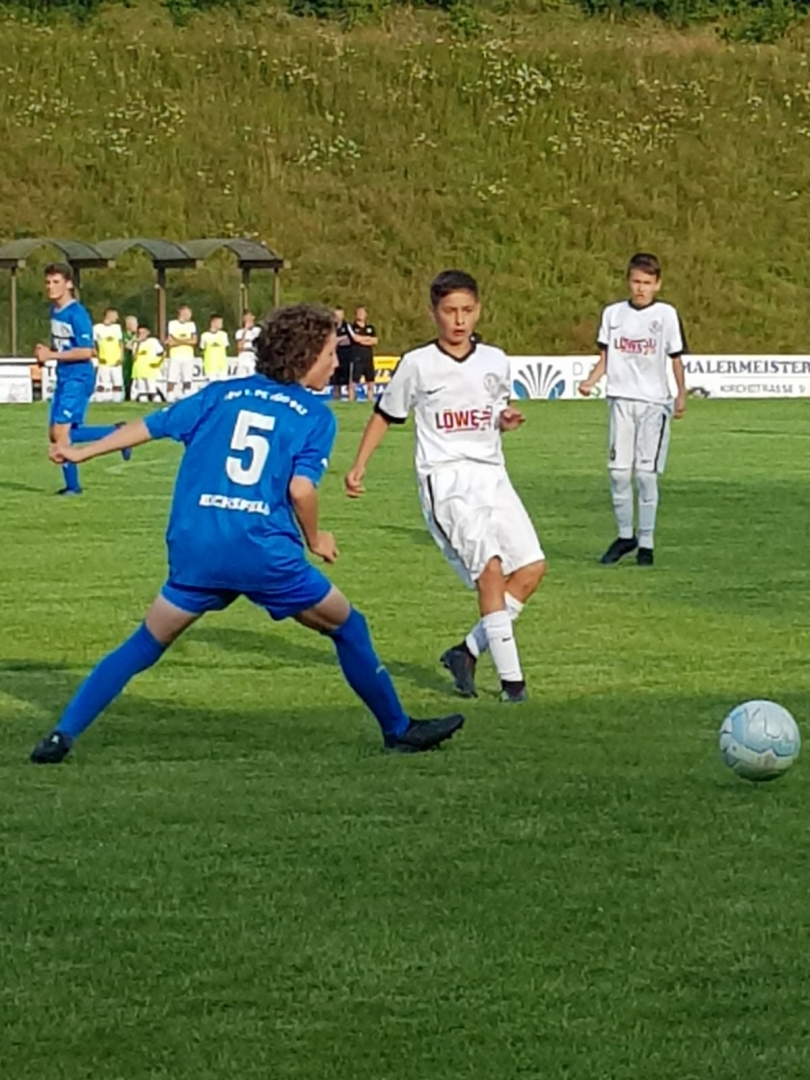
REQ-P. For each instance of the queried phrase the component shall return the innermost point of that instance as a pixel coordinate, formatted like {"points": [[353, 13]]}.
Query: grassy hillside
{"points": [[538, 153]]}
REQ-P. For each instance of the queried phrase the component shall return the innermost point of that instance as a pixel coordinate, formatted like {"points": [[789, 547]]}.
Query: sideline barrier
{"points": [[556, 378], [544, 378], [16, 381]]}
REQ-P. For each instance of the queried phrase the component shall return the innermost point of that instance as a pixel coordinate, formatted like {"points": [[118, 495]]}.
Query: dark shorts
{"points": [[342, 375], [364, 368], [288, 598]]}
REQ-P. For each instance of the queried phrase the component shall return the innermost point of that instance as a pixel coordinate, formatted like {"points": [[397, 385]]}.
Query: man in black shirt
{"points": [[343, 375], [364, 338]]}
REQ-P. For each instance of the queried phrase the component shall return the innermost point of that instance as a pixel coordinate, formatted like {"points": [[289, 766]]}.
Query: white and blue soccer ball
{"points": [[759, 740]]}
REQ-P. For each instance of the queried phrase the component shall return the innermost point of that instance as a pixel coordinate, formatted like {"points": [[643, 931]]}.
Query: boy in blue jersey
{"points": [[245, 503], [72, 348]]}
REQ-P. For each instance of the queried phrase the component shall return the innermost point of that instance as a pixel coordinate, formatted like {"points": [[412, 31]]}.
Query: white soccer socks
{"points": [[621, 492], [476, 641], [502, 646], [647, 506]]}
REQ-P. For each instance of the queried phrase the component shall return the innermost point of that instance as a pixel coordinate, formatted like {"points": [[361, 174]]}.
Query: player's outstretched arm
{"points": [[304, 499], [132, 434], [373, 435]]}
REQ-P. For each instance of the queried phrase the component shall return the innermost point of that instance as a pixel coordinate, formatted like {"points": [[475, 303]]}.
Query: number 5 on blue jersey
{"points": [[240, 470]]}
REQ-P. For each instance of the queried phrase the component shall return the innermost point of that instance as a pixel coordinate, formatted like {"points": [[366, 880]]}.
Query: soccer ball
{"points": [[759, 740]]}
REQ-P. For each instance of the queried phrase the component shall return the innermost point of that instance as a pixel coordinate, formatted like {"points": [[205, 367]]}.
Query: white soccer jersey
{"points": [[456, 404], [249, 337], [639, 342]]}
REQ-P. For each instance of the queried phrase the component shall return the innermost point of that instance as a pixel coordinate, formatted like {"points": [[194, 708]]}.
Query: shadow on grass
{"points": [[414, 533], [148, 729], [594, 752], [13, 485], [48, 687], [303, 654]]}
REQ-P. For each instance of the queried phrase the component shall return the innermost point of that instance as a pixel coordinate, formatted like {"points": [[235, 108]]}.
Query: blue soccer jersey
{"points": [[232, 524], [72, 328]]}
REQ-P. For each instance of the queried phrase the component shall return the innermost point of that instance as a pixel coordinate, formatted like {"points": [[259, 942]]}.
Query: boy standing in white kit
{"points": [[636, 339]]}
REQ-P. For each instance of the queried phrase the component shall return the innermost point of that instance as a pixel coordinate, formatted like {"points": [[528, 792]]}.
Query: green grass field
{"points": [[228, 880]]}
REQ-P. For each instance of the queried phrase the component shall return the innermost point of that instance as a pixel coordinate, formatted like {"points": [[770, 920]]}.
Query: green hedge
{"points": [[740, 20]]}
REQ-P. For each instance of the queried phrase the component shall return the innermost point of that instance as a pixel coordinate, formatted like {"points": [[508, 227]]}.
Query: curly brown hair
{"points": [[291, 340]]}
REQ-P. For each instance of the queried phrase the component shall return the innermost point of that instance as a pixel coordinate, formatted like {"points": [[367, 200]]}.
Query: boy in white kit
{"points": [[246, 337], [636, 338], [459, 391]]}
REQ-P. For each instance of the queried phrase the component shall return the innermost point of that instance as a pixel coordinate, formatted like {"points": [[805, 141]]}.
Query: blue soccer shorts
{"points": [[292, 594], [70, 400]]}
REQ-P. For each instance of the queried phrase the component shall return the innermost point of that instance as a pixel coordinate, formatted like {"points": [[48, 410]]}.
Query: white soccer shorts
{"points": [[143, 388], [245, 366], [474, 514], [638, 435], [109, 376], [180, 371]]}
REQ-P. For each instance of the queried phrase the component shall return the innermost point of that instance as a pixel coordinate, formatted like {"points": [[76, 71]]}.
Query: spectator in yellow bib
{"points": [[146, 364], [108, 340], [214, 345], [181, 341]]}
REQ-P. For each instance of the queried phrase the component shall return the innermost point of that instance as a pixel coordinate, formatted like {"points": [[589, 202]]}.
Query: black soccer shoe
{"points": [[618, 549], [513, 693], [52, 749], [460, 662], [645, 556], [424, 735]]}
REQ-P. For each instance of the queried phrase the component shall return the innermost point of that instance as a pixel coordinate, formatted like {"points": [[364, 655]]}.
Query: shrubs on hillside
{"points": [[739, 20]]}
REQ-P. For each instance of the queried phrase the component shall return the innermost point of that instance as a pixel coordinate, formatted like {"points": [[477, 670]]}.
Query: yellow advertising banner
{"points": [[384, 369]]}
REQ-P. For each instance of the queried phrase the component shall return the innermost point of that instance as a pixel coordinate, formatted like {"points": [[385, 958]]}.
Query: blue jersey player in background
{"points": [[72, 349], [245, 504]]}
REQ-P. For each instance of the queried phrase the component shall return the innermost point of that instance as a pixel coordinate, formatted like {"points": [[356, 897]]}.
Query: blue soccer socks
{"points": [[107, 679], [71, 474], [366, 674], [80, 433]]}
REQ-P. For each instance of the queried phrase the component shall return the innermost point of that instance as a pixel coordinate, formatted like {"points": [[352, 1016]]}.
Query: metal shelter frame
{"points": [[13, 255], [164, 254]]}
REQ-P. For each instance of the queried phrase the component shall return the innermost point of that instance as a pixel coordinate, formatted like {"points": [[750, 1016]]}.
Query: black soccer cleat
{"points": [[645, 556], [67, 492], [460, 662], [513, 693], [618, 549], [424, 735], [52, 749]]}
